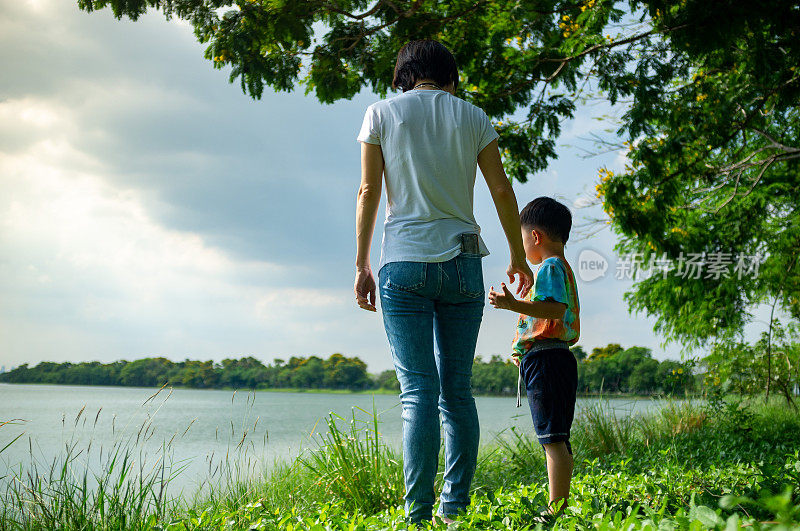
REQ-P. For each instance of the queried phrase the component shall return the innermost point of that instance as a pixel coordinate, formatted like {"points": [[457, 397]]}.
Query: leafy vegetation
{"points": [[711, 128], [609, 369], [711, 135], [771, 364], [336, 372], [683, 466], [712, 140]]}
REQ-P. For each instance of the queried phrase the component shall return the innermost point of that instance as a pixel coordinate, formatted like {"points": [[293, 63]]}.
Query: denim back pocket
{"points": [[470, 275], [406, 276]]}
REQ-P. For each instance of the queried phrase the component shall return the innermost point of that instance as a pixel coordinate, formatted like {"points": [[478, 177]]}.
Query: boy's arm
{"points": [[540, 309], [548, 309]]}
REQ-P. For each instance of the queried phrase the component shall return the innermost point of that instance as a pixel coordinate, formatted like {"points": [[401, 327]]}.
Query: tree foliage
{"points": [[510, 54], [336, 372], [711, 127], [713, 141], [496, 376], [771, 364], [613, 369]]}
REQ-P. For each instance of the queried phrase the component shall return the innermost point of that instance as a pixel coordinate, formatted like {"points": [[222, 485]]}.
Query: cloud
{"points": [[140, 97], [620, 160], [79, 251], [148, 207], [583, 202], [88, 228]]}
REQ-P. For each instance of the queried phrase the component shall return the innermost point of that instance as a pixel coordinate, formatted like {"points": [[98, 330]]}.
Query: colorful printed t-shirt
{"points": [[554, 281]]}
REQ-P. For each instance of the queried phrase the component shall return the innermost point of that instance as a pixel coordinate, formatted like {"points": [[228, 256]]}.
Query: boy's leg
{"points": [[551, 384], [559, 473]]}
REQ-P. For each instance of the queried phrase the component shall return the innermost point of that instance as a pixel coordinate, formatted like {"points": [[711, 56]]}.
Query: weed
{"points": [[355, 466], [678, 467]]}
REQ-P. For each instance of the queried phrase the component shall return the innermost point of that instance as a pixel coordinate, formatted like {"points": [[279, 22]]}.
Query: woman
{"points": [[427, 142]]}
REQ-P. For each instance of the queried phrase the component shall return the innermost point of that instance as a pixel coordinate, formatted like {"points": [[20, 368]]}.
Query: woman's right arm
{"points": [[505, 201]]}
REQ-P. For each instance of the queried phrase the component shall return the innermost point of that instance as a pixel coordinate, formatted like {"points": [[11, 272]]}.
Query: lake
{"points": [[197, 429]]}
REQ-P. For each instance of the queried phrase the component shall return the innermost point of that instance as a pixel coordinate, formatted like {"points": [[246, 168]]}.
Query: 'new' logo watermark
{"points": [[591, 265]]}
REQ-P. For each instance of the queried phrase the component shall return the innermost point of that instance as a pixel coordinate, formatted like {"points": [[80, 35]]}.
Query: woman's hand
{"points": [[501, 301], [525, 276], [365, 289]]}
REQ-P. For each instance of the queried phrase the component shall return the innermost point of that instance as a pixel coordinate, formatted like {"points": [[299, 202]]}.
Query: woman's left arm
{"points": [[369, 198]]}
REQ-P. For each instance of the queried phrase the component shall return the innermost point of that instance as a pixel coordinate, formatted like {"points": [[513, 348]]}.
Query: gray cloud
{"points": [[148, 207]]}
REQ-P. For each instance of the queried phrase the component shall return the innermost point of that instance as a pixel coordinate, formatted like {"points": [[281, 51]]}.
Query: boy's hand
{"points": [[515, 360], [502, 301]]}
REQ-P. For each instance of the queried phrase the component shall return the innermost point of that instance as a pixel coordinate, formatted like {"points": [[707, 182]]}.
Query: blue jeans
{"points": [[427, 305]]}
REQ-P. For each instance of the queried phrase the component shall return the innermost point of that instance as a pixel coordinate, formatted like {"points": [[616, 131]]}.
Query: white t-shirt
{"points": [[430, 141]]}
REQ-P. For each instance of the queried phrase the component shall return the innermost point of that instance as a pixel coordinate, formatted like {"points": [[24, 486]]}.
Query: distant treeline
{"points": [[608, 369], [336, 372]]}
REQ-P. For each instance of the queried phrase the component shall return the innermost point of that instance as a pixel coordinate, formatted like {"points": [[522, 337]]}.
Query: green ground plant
{"points": [[683, 466]]}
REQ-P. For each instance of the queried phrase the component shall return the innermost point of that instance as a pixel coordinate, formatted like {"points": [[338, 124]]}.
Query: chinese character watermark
{"points": [[633, 266]]}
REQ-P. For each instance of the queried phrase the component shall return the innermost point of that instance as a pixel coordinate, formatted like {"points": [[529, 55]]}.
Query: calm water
{"points": [[201, 427]]}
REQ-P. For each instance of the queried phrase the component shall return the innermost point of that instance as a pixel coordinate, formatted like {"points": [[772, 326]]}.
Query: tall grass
{"points": [[513, 456], [126, 490], [348, 464], [601, 430], [351, 465], [355, 466]]}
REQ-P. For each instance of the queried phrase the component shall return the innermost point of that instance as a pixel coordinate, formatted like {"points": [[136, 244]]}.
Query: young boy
{"points": [[548, 324]]}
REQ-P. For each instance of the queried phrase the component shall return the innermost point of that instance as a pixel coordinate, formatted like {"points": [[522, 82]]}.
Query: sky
{"points": [[150, 208]]}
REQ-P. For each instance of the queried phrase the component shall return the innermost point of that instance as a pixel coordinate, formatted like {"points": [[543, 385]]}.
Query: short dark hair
{"points": [[548, 215], [424, 59]]}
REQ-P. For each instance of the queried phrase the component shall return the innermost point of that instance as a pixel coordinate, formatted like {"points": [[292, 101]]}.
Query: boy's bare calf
{"points": [[559, 474]]}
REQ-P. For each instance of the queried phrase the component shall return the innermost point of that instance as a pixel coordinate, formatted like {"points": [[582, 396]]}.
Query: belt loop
{"points": [[519, 385]]}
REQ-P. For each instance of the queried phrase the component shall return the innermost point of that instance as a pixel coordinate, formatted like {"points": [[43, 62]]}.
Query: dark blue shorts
{"points": [[551, 382]]}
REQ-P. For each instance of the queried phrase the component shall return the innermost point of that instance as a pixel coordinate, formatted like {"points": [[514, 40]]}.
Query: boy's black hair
{"points": [[548, 215], [424, 59]]}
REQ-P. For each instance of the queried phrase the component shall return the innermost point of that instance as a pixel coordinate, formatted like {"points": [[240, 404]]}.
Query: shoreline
{"points": [[632, 396], [636, 472]]}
